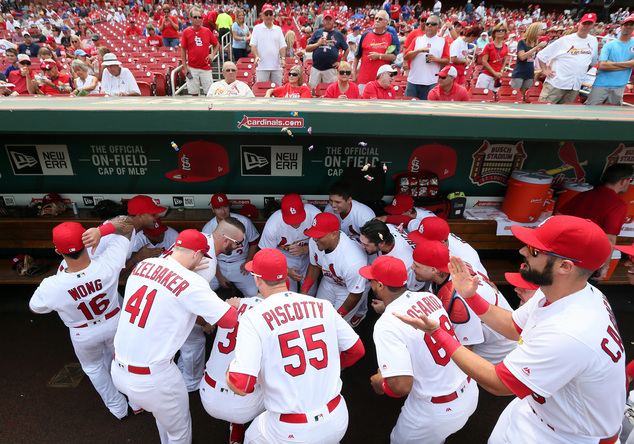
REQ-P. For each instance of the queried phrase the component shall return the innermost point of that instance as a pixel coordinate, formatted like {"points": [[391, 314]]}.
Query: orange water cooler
{"points": [[525, 195], [628, 198], [569, 190]]}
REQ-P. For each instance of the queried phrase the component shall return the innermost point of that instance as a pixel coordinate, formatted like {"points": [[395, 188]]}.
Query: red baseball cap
{"points": [[143, 204], [267, 7], [627, 249], [401, 203], [329, 13], [589, 18], [389, 270], [268, 264], [158, 229], [323, 224], [516, 280], [249, 210], [219, 200], [574, 238], [50, 39], [629, 18], [430, 229], [67, 237], [432, 254], [200, 161], [52, 197], [47, 64], [193, 240], [293, 209]]}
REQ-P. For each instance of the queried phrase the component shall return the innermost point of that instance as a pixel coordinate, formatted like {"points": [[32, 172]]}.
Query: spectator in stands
{"points": [[195, 56], [224, 22], [343, 88], [295, 88], [24, 77], [459, 52], [292, 46], [230, 86], [17, 36], [483, 40], [57, 35], [54, 47], [47, 29], [153, 40], [429, 53], [566, 61], [116, 80], [133, 30], [36, 34], [84, 83], [96, 40], [29, 47], [495, 59], [5, 88], [52, 82], [12, 61], [169, 25], [381, 88], [65, 41], [524, 71], [97, 62], [75, 44], [241, 36], [448, 89], [82, 28], [615, 68], [325, 45], [269, 48], [377, 48]]}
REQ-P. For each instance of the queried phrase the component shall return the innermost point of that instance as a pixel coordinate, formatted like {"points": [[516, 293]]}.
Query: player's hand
{"points": [[377, 381], [378, 305], [298, 250], [208, 328], [242, 269], [234, 301], [381, 218], [423, 323], [202, 265], [602, 272], [147, 251], [463, 282], [224, 283], [91, 238], [294, 274]]}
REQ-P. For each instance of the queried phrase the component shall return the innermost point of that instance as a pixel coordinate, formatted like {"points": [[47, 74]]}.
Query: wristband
{"points": [[133, 261], [106, 229], [342, 311], [478, 304], [630, 369], [307, 285], [446, 341], [388, 391]]}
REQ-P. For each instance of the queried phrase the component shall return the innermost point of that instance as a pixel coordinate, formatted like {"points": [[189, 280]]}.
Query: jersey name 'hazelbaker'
{"points": [[425, 305], [296, 311], [162, 276]]}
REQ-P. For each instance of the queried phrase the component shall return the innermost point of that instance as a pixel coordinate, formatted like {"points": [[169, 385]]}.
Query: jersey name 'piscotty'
{"points": [[295, 311]]}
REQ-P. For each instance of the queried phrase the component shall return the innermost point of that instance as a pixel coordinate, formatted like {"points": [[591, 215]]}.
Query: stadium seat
{"points": [[145, 88], [320, 89], [260, 88], [481, 95]]}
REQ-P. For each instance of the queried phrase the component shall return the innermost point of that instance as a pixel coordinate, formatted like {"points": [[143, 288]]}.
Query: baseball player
{"points": [[85, 297], [162, 299], [525, 290], [217, 399], [295, 347], [231, 267], [568, 371], [402, 211], [339, 258], [161, 237], [350, 213], [285, 230], [191, 362], [442, 397]]}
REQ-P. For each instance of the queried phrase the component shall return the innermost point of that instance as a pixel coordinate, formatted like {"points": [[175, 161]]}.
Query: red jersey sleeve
{"points": [[520, 390], [244, 383]]}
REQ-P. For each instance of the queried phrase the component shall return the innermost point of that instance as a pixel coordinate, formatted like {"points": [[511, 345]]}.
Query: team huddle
{"points": [[444, 329]]}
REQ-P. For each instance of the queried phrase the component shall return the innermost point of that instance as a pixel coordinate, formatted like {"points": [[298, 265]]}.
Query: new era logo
{"points": [[22, 160], [252, 160]]}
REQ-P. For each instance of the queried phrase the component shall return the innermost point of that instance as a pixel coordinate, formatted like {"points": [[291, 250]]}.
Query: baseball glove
{"points": [[52, 209]]}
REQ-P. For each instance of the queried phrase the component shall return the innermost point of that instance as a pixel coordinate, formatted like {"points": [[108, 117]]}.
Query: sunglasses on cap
{"points": [[533, 251], [345, 73], [238, 243]]}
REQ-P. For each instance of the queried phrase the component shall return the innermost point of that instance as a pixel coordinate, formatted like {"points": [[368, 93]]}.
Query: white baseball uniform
{"points": [[466, 323], [278, 234], [291, 342], [87, 303], [217, 399], [421, 213], [340, 270], [351, 224], [162, 299], [442, 398], [168, 240], [230, 265], [404, 250], [460, 248], [191, 361], [568, 369]]}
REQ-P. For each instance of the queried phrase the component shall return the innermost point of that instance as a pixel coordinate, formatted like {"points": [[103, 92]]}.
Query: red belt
{"points": [[447, 398], [300, 418], [210, 381], [108, 316], [136, 370]]}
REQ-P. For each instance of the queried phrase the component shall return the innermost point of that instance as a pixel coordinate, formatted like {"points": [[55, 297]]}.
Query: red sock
{"points": [[236, 433]]}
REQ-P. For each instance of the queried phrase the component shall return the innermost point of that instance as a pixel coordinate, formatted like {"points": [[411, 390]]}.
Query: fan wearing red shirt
{"points": [[23, 78], [55, 83], [381, 88], [395, 10], [448, 89], [168, 27], [210, 20], [133, 30], [494, 58], [152, 39], [343, 88], [295, 87]]}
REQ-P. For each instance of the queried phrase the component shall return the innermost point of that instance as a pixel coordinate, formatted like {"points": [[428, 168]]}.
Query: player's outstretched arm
{"points": [[311, 276], [466, 285]]}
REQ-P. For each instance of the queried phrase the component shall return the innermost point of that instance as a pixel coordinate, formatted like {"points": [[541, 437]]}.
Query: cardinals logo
{"points": [[283, 243], [568, 155], [333, 275]]}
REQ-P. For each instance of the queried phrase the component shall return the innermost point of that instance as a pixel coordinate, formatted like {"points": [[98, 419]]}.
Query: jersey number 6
{"points": [[296, 350]]}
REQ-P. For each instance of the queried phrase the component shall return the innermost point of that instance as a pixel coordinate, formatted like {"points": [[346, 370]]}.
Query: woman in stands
{"points": [[295, 87], [84, 81], [343, 88], [459, 52], [75, 44], [494, 58], [527, 48], [241, 36], [153, 40]]}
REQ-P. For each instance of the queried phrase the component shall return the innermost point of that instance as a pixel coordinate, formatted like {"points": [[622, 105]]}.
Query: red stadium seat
{"points": [[508, 93], [260, 88], [320, 89], [145, 88], [481, 95]]}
